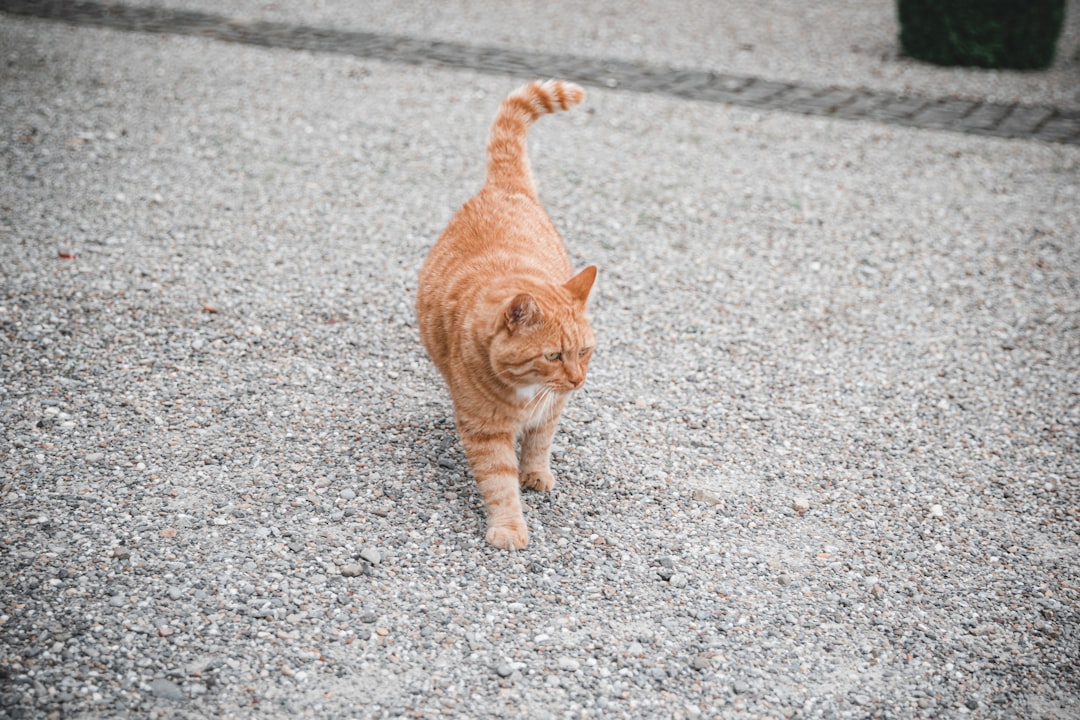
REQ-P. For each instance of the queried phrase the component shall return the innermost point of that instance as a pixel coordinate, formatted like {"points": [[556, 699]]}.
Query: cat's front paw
{"points": [[508, 537], [537, 480]]}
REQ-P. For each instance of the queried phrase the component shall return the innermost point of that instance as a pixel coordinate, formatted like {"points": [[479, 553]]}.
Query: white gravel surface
{"points": [[826, 464], [842, 43]]}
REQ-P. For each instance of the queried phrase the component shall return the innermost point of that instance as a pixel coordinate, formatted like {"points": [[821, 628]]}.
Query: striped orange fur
{"points": [[503, 317]]}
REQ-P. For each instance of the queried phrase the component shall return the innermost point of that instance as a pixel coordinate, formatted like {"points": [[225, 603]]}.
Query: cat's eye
{"points": [[553, 356], [584, 352]]}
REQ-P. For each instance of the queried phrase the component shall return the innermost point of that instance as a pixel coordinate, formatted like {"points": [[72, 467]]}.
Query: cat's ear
{"points": [[521, 312], [581, 284]]}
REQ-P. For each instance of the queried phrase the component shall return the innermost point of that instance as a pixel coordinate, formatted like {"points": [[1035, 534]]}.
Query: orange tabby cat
{"points": [[502, 315]]}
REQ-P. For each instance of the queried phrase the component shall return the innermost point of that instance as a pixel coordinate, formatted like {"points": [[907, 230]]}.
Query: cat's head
{"points": [[544, 338]]}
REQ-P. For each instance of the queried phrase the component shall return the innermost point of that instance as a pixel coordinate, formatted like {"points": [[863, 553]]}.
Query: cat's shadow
{"points": [[444, 483]]}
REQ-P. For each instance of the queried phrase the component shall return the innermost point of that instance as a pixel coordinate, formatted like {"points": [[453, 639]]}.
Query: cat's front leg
{"points": [[491, 456], [534, 468]]}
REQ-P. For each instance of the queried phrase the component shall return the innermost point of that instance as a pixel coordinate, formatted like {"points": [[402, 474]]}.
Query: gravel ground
{"points": [[826, 464], [846, 43]]}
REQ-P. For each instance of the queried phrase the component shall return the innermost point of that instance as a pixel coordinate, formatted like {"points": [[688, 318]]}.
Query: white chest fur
{"points": [[538, 404], [529, 391]]}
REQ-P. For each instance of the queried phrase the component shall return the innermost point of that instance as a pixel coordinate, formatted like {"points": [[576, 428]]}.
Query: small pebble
{"points": [[704, 496], [166, 689], [352, 570]]}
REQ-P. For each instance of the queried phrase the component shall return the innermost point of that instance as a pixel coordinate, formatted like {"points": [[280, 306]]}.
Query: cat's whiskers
{"points": [[539, 408], [539, 394]]}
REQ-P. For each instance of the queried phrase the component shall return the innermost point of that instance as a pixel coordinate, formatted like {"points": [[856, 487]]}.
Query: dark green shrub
{"points": [[1013, 34]]}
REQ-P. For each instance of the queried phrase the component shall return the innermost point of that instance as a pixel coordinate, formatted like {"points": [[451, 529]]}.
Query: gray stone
{"points": [[701, 661], [569, 664], [704, 496], [352, 570], [166, 689]]}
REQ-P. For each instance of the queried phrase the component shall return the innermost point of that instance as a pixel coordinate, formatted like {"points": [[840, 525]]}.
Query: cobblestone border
{"points": [[1028, 122]]}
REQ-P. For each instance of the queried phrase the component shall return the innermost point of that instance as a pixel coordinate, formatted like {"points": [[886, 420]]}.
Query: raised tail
{"points": [[508, 159]]}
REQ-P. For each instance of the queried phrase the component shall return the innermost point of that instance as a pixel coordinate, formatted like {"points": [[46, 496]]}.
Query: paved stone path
{"points": [[978, 118]]}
